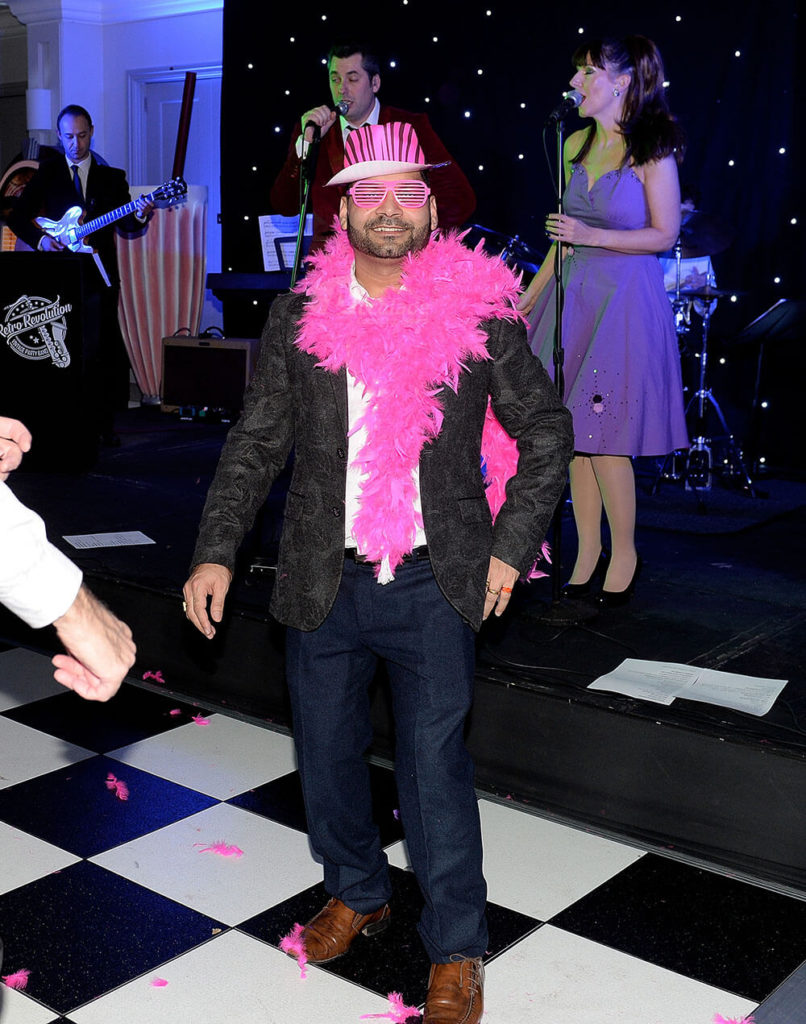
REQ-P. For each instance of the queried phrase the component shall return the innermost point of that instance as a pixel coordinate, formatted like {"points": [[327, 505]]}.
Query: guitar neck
{"points": [[110, 218]]}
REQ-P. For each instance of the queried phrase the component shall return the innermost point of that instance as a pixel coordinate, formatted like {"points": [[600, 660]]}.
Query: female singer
{"points": [[622, 371]]}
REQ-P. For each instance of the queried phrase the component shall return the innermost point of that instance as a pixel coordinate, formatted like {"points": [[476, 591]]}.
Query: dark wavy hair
{"points": [[346, 48], [650, 131]]}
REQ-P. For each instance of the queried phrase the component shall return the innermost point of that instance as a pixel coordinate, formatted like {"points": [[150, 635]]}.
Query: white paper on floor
{"points": [[128, 538], [663, 681]]}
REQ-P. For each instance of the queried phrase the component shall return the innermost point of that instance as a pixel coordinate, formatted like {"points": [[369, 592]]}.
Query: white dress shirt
{"points": [[37, 582], [83, 173], [357, 404]]}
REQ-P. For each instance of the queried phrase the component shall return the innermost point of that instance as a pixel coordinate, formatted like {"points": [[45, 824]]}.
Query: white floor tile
{"points": [[553, 977], [540, 867], [26, 753], [26, 858], [535, 866], [17, 1008], [277, 863], [25, 676], [237, 980], [222, 759]]}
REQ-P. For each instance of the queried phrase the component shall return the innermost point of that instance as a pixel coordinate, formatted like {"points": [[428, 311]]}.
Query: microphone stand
{"points": [[307, 173], [561, 613]]}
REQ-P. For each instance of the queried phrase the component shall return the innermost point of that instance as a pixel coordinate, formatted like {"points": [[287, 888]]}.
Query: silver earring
{"points": [[617, 92]]}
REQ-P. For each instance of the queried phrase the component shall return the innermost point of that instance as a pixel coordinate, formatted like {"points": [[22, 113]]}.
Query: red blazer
{"points": [[456, 200]]}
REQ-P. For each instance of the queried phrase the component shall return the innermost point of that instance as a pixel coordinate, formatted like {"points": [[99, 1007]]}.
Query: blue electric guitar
{"points": [[70, 232]]}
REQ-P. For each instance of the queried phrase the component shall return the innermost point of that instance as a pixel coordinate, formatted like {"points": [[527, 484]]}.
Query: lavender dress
{"points": [[622, 368]]}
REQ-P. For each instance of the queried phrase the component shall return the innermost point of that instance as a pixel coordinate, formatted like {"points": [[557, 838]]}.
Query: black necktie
{"points": [[77, 181]]}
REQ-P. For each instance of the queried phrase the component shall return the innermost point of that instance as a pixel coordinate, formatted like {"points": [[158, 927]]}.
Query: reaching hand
{"points": [[100, 649], [15, 440]]}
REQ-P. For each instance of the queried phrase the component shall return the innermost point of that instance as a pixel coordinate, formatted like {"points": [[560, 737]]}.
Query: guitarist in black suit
{"points": [[78, 179]]}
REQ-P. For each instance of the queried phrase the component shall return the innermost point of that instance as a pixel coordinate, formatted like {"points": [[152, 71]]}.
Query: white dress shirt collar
{"points": [[372, 118]]}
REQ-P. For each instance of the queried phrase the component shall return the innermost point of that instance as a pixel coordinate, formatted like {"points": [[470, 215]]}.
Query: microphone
{"points": [[340, 108], [570, 101]]}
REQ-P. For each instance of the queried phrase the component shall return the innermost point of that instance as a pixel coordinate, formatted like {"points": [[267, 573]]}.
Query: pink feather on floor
{"points": [[156, 676], [159, 983], [117, 786], [201, 720], [18, 980], [295, 946], [222, 849], [398, 1012], [719, 1019]]}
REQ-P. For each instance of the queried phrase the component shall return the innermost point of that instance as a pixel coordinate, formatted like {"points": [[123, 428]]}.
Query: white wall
{"points": [[84, 50], [181, 41], [13, 53]]}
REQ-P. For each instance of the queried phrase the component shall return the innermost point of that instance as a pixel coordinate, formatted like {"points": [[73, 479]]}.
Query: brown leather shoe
{"points": [[336, 926], [455, 993]]}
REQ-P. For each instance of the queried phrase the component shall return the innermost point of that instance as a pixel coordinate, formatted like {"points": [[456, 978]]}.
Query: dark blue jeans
{"points": [[429, 653]]}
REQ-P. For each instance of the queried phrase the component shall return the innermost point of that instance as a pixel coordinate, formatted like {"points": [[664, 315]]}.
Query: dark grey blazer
{"points": [[292, 402]]}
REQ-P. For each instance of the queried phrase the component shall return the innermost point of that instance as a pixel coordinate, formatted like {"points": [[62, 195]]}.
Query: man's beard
{"points": [[413, 240]]}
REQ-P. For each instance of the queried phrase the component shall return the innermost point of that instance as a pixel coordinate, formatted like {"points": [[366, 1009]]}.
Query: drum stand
{"points": [[680, 306], [698, 465]]}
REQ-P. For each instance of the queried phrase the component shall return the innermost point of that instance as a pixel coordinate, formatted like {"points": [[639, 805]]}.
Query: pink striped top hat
{"points": [[381, 149]]}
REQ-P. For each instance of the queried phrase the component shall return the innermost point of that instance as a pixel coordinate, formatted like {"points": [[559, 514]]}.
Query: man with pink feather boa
{"points": [[395, 370]]}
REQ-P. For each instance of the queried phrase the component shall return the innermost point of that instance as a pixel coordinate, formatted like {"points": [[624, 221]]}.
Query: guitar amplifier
{"points": [[207, 373]]}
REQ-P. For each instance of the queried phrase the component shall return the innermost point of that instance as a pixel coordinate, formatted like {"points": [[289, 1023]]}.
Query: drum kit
{"points": [[516, 254], [701, 236]]}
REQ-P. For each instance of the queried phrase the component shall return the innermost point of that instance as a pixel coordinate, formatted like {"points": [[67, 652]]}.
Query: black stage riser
{"points": [[693, 793]]}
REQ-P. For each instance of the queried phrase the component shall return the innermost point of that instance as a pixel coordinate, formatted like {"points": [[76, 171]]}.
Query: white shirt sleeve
{"points": [[37, 582]]}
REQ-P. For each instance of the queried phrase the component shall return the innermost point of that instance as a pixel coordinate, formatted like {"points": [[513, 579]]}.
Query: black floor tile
{"points": [[281, 800], [84, 931], [717, 930], [133, 714], [394, 961], [73, 808]]}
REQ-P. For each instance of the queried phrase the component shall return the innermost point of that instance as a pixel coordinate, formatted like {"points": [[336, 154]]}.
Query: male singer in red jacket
{"points": [[354, 78]]}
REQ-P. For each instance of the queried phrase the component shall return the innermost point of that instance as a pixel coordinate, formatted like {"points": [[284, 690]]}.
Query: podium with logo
{"points": [[49, 338]]}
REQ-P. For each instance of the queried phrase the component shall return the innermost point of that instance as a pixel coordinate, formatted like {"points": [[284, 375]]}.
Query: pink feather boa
{"points": [[405, 347]]}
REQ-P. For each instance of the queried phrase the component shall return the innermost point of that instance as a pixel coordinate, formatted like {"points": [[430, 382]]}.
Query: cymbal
{"points": [[489, 234], [707, 292], [702, 235], [509, 246]]}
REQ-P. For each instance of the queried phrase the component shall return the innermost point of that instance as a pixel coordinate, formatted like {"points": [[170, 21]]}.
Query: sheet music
{"points": [[278, 239]]}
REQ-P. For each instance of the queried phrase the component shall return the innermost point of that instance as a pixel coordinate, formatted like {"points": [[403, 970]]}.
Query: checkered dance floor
{"points": [[168, 906]]}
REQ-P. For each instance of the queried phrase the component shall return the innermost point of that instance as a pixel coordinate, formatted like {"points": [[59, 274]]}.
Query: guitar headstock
{"points": [[171, 190]]}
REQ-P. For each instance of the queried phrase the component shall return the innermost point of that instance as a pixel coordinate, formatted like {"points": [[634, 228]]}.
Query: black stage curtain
{"points": [[506, 66]]}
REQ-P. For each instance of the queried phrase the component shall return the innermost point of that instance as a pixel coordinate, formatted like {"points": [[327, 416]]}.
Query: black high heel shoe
{"points": [[573, 591], [618, 598]]}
